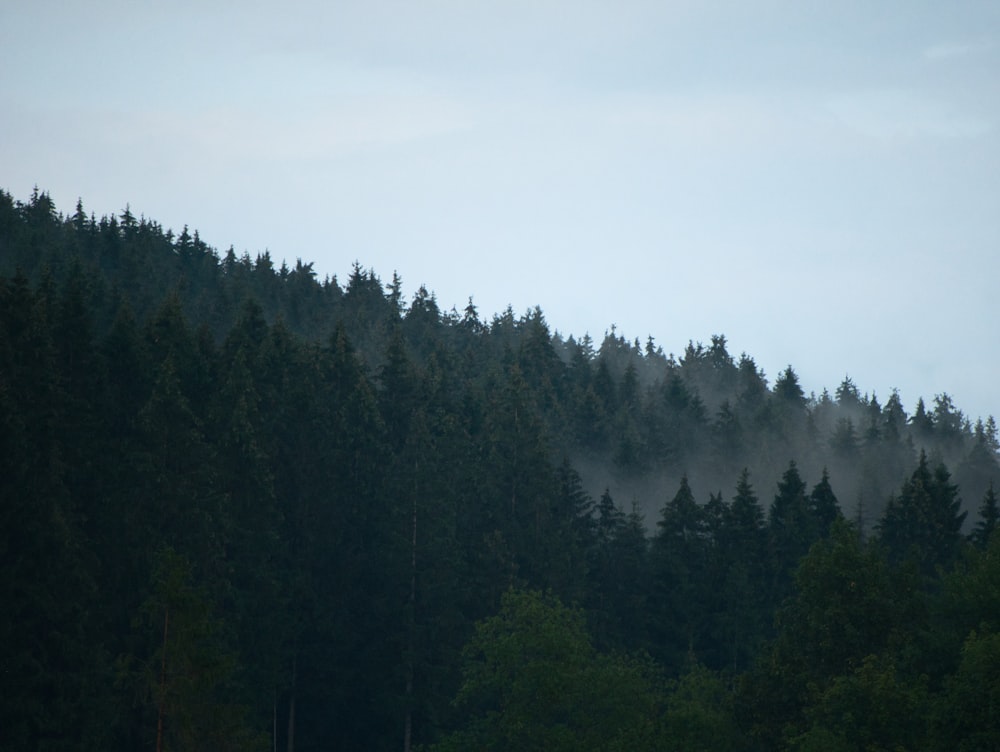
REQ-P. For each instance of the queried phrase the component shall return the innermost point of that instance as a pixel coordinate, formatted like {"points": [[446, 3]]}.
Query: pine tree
{"points": [[251, 524], [55, 676], [727, 440], [844, 442], [679, 567], [922, 423], [791, 530], [518, 484], [602, 571], [848, 396], [788, 390], [924, 522], [989, 515], [745, 619], [573, 514], [823, 506]]}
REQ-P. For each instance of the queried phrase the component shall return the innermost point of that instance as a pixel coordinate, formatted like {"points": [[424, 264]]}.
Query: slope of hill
{"points": [[237, 499]]}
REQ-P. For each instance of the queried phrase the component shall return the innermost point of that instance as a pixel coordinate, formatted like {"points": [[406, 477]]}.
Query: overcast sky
{"points": [[818, 181]]}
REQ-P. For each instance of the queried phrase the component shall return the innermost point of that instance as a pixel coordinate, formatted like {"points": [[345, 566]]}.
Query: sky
{"points": [[819, 182]]}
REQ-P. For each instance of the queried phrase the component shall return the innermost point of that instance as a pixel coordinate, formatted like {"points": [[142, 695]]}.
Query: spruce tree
{"points": [[823, 506], [989, 514], [924, 522], [746, 616], [679, 558], [791, 530]]}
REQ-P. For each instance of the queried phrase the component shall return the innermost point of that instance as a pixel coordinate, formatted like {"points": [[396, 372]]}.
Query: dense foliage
{"points": [[242, 508]]}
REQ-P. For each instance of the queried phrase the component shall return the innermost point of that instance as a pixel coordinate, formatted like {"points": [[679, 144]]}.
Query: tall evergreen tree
{"points": [[823, 506], [788, 390], [518, 484], [679, 563], [55, 676], [602, 570], [924, 522], [989, 515], [745, 619], [791, 530]]}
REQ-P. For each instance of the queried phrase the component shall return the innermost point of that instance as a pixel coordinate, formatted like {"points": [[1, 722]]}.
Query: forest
{"points": [[244, 508]]}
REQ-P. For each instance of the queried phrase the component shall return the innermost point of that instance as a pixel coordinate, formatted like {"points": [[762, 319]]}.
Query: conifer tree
{"points": [[604, 581], [924, 522], [184, 680], [989, 515], [55, 677], [922, 422], [788, 390], [791, 530], [744, 621], [823, 506], [679, 558]]}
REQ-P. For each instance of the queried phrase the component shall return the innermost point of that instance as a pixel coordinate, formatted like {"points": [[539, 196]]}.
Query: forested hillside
{"points": [[244, 508]]}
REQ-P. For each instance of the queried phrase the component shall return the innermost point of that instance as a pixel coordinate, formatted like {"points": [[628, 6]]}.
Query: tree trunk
{"points": [[291, 711], [408, 721], [163, 684]]}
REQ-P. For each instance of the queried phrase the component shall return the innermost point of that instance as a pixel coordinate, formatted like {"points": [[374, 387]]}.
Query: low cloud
{"points": [[951, 50]]}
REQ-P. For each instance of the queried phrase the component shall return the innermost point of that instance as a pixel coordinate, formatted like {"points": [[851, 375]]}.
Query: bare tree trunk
{"points": [[163, 683], [408, 722], [291, 711]]}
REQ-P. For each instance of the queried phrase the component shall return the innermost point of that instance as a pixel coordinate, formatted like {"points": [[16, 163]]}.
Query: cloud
{"points": [[951, 50]]}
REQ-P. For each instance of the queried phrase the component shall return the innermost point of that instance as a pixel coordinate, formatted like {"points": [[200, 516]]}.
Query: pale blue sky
{"points": [[818, 181]]}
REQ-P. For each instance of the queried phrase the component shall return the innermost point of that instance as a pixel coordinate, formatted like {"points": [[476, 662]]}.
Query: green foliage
{"points": [[680, 554], [184, 681], [824, 509], [745, 616], [870, 708], [533, 681], [700, 714], [847, 604], [971, 593], [791, 529], [848, 613], [966, 718], [989, 515], [924, 523]]}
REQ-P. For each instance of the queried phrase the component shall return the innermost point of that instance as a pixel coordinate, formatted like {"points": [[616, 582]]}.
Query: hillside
{"points": [[242, 502], [632, 418]]}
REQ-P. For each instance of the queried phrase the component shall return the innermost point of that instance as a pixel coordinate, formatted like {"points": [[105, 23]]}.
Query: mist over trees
{"points": [[246, 508]]}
